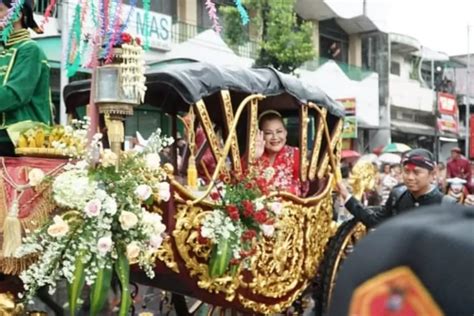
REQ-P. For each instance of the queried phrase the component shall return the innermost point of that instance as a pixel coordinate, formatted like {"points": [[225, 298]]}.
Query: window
{"points": [[395, 68], [333, 41]]}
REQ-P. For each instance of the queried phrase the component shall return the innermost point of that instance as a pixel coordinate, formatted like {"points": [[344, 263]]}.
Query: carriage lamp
{"points": [[119, 87]]}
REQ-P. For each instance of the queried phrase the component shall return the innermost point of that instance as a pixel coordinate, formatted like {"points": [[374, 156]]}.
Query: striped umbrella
{"points": [[396, 148]]}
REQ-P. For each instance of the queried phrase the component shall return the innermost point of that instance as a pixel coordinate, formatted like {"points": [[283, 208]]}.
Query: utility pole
{"points": [[468, 91], [64, 80], [364, 7]]}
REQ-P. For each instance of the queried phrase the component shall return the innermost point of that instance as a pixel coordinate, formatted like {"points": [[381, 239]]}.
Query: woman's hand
{"points": [[260, 145]]}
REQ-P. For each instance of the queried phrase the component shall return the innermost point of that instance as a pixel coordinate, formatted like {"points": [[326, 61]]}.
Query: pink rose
{"points": [[104, 244], [92, 208]]}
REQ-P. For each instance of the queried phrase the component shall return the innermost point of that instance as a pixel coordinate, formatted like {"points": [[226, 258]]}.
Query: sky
{"points": [[438, 24]]}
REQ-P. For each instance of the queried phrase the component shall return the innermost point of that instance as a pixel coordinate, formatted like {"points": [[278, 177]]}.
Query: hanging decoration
{"points": [[244, 16], [47, 13], [97, 31], [7, 22], [212, 11], [146, 7]]}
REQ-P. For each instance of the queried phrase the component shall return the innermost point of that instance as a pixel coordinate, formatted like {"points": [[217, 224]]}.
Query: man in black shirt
{"points": [[418, 190]]}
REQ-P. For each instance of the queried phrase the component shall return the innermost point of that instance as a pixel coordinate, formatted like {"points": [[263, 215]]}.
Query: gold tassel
{"points": [[192, 173], [11, 231]]}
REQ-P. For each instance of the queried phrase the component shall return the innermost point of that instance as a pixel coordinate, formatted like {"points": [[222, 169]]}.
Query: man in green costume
{"points": [[24, 76]]}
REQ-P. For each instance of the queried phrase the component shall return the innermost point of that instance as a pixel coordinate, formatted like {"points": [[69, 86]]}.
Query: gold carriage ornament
{"points": [[225, 102], [119, 87]]}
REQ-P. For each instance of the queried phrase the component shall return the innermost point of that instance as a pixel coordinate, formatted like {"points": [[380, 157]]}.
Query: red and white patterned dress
{"points": [[283, 173]]}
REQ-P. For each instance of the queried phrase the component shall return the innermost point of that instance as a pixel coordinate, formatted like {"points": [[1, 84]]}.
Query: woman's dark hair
{"points": [[270, 116], [27, 20]]}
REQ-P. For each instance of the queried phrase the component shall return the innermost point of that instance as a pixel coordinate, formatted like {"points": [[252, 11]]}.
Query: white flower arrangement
{"points": [[104, 223]]}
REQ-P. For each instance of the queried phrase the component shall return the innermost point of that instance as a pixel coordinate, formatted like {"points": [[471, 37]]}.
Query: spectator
{"points": [[458, 166]]}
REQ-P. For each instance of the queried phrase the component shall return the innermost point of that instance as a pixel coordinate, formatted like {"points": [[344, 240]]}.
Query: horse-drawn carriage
{"points": [[225, 103]]}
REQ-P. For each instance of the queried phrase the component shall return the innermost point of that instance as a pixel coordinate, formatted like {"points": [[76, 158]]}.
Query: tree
{"points": [[285, 43]]}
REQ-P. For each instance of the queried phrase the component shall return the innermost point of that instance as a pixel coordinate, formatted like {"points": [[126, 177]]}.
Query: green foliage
{"points": [[286, 45], [284, 42], [233, 31]]}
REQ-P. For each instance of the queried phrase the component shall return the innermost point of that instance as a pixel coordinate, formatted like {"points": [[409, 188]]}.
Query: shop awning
{"points": [[412, 128]]}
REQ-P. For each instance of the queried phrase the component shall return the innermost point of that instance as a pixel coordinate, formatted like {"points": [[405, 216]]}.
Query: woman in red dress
{"points": [[277, 162]]}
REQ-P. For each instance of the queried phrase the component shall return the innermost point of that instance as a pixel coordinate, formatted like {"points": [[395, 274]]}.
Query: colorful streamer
{"points": [[133, 4], [146, 7], [244, 16], [12, 15], [115, 31], [47, 13], [212, 11], [74, 43]]}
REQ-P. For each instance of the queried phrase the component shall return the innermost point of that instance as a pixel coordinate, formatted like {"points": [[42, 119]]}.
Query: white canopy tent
{"points": [[208, 46]]}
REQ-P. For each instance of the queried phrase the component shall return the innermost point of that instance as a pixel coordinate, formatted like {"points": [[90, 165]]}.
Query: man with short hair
{"points": [[418, 190], [458, 166]]}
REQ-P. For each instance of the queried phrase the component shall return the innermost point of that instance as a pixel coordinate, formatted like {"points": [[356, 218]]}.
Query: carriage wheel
{"points": [[339, 246]]}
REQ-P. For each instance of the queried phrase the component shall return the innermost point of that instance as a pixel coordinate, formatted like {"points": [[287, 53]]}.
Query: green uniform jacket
{"points": [[24, 82]]}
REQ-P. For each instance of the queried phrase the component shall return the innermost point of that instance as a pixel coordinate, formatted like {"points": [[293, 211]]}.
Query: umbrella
{"points": [[348, 154], [396, 148], [373, 158], [390, 158]]}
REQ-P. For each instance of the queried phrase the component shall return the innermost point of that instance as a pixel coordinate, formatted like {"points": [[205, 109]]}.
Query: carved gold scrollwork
{"points": [[335, 139], [196, 255], [317, 144], [304, 121], [252, 131], [206, 122], [166, 255], [229, 119]]}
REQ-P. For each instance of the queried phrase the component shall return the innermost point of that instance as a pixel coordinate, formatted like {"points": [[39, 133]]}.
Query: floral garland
{"points": [[47, 12], [244, 215], [212, 11], [105, 224], [244, 16]]}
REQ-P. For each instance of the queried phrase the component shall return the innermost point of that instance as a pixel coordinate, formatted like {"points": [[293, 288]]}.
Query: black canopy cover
{"points": [[175, 86]]}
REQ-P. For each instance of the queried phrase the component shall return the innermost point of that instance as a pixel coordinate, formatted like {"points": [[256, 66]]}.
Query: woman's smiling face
{"points": [[274, 135]]}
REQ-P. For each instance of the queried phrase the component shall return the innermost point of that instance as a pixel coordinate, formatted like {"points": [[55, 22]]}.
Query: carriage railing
{"points": [[309, 170]]}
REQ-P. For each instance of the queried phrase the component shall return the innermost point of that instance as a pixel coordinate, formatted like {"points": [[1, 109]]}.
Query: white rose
{"points": [[92, 208], [259, 204], [276, 207], [104, 245], [109, 158], [59, 229], [156, 241], [127, 220], [133, 251], [143, 192], [35, 176], [154, 221], [152, 161], [268, 230], [164, 191]]}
